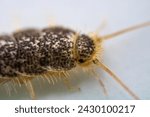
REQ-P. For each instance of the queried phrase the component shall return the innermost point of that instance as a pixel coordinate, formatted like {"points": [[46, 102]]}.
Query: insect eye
{"points": [[81, 61]]}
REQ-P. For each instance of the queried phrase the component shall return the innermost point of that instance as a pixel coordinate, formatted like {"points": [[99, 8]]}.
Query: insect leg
{"points": [[103, 86], [4, 80], [29, 87], [116, 78], [100, 82], [69, 85]]}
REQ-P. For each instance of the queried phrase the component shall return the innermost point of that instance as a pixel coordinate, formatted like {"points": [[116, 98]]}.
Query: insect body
{"points": [[30, 53], [33, 52]]}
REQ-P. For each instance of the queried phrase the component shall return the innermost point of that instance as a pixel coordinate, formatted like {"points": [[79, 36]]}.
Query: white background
{"points": [[127, 55], [141, 108]]}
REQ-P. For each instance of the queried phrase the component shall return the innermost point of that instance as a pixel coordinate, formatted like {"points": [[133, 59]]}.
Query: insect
{"points": [[51, 53]]}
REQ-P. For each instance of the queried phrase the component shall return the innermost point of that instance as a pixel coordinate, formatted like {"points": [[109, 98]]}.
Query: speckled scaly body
{"points": [[34, 51], [51, 53]]}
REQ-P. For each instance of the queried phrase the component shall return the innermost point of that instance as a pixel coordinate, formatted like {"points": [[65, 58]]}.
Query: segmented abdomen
{"points": [[33, 52]]}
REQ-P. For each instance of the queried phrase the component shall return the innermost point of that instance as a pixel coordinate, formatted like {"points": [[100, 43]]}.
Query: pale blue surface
{"points": [[128, 55]]}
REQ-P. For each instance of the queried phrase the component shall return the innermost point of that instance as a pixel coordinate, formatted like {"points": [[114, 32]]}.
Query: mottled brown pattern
{"points": [[58, 46], [34, 51], [8, 52], [27, 59], [85, 48]]}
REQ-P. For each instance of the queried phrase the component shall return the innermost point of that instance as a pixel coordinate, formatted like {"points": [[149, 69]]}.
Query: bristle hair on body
{"points": [[53, 54]]}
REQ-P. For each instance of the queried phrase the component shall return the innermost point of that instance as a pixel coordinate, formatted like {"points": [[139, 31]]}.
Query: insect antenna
{"points": [[108, 36], [116, 78]]}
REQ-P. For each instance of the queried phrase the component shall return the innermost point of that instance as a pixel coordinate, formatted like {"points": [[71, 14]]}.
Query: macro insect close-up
{"points": [[33, 57]]}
